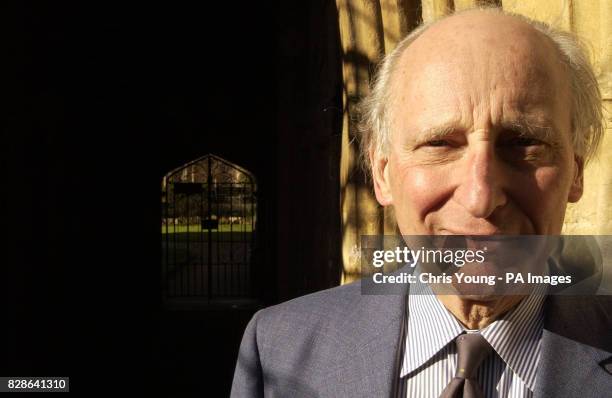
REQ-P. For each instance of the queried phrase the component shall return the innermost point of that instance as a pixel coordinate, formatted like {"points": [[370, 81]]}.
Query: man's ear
{"points": [[577, 186], [380, 177]]}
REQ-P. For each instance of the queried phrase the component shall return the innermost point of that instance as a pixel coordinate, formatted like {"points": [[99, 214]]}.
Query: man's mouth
{"points": [[475, 233]]}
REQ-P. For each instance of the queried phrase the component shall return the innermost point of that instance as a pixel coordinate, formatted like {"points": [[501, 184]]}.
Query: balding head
{"points": [[482, 28]]}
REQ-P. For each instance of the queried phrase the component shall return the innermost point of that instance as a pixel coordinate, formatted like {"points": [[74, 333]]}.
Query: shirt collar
{"points": [[430, 327], [515, 337]]}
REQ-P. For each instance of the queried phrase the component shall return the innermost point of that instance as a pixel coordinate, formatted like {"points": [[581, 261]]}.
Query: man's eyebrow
{"points": [[525, 128], [436, 132]]}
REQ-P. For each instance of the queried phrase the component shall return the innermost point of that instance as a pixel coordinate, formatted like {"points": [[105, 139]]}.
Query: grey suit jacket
{"points": [[340, 343]]}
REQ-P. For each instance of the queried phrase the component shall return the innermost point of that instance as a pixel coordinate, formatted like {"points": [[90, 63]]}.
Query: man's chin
{"points": [[483, 297], [480, 298], [479, 292], [486, 293]]}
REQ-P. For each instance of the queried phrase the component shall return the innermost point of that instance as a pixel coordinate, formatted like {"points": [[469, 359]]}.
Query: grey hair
{"points": [[587, 124]]}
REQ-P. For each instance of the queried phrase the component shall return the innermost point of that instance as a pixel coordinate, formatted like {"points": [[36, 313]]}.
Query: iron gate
{"points": [[209, 211]]}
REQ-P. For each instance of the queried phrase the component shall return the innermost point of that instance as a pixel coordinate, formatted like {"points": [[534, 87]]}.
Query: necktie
{"points": [[472, 349]]}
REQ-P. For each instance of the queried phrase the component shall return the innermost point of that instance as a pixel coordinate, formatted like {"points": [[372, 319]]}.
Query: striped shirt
{"points": [[431, 359]]}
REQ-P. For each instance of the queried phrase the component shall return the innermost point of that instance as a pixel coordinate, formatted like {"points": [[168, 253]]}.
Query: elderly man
{"points": [[478, 124]]}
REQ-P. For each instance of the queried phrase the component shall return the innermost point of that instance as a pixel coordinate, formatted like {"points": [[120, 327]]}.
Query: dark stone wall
{"points": [[99, 101]]}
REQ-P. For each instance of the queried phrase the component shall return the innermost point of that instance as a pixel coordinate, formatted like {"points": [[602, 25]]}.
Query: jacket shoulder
{"points": [[323, 313], [585, 319]]}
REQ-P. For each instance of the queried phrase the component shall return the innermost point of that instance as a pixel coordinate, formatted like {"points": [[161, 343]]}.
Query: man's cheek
{"points": [[547, 188], [418, 191], [542, 197], [549, 179]]}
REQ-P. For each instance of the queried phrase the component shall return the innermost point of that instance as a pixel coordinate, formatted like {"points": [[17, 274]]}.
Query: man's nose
{"points": [[481, 182]]}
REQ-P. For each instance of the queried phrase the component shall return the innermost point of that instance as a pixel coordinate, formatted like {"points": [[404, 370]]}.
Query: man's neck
{"points": [[478, 313]]}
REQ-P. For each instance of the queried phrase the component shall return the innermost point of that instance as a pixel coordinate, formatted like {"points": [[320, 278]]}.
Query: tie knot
{"points": [[472, 349]]}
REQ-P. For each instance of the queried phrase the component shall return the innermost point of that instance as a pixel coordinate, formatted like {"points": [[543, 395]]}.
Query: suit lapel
{"points": [[575, 341], [368, 367]]}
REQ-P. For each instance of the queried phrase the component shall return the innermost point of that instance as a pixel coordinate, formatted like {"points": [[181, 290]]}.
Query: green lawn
{"points": [[171, 229]]}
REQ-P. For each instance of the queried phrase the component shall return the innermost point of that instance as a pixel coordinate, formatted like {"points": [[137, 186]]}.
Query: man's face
{"points": [[480, 132]]}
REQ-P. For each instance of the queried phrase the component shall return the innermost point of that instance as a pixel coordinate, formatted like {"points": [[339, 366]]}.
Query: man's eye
{"points": [[524, 141], [437, 143]]}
